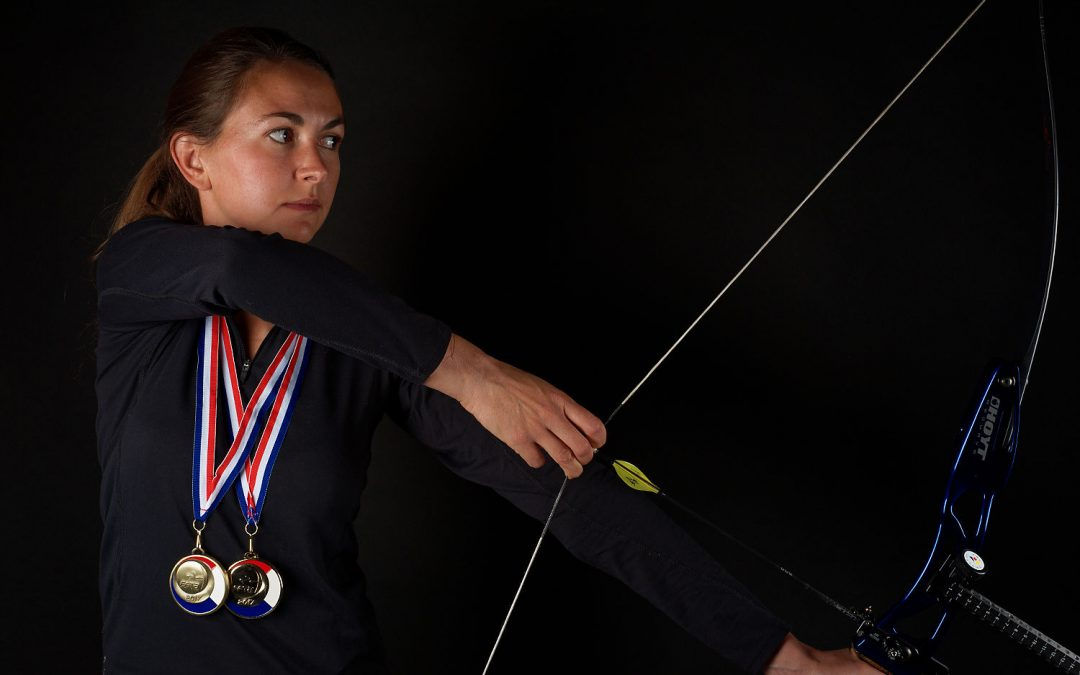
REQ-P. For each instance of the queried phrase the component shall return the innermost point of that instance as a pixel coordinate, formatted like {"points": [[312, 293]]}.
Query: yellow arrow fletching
{"points": [[632, 476]]}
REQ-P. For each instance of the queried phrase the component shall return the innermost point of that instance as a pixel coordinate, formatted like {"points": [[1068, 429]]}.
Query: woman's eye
{"points": [[330, 142]]}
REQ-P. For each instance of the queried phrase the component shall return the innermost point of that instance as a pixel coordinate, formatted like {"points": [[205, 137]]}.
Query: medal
{"points": [[256, 584], [199, 583]]}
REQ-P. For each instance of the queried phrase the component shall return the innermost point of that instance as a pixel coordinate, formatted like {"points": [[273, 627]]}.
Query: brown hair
{"points": [[206, 90], [200, 99]]}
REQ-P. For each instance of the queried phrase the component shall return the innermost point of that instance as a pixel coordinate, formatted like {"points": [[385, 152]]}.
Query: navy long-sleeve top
{"points": [[370, 352]]}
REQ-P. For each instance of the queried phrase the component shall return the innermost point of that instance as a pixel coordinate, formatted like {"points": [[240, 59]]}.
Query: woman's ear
{"points": [[187, 153]]}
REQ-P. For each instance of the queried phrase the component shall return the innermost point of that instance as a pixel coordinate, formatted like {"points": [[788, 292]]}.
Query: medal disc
{"points": [[198, 584], [255, 588]]}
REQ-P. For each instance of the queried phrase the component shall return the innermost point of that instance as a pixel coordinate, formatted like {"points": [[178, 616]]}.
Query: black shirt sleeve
{"points": [[603, 523], [158, 270]]}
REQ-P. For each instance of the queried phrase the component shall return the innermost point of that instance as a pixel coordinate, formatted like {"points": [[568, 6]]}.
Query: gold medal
{"points": [[198, 582], [251, 587]]}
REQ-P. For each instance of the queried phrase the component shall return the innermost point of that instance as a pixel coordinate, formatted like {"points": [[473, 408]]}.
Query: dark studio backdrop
{"points": [[568, 185]]}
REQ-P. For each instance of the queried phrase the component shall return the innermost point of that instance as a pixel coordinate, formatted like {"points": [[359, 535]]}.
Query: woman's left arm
{"points": [[603, 523]]}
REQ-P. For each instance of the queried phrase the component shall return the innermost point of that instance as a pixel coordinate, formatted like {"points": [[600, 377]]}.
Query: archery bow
{"points": [[983, 464], [982, 467]]}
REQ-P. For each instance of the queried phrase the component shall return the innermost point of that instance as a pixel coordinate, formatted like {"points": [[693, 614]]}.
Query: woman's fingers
{"points": [[586, 423], [565, 430], [533, 454], [530, 415], [561, 453], [577, 442]]}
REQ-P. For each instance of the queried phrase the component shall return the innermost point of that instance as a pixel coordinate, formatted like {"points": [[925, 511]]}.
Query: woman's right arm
{"points": [[156, 270]]}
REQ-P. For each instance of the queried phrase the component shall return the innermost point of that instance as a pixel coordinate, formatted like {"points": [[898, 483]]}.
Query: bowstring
{"points": [[719, 295]]}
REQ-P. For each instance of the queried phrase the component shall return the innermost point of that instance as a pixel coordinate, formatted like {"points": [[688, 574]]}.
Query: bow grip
{"points": [[983, 463]]}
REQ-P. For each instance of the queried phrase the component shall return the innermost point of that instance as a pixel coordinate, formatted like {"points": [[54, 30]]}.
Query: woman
{"points": [[215, 316]]}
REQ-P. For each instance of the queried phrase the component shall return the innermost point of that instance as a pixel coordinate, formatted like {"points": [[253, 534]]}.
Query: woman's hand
{"points": [[797, 657], [527, 413]]}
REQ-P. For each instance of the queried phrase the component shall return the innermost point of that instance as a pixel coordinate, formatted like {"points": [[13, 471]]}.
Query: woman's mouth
{"points": [[305, 205]]}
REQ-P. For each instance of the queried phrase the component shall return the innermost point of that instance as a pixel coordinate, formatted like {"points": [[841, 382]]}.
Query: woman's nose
{"points": [[311, 166]]}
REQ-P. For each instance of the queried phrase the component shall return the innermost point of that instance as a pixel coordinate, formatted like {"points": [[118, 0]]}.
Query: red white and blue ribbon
{"points": [[255, 477], [270, 404]]}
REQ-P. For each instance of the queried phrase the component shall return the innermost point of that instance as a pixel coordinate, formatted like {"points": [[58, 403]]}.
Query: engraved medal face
{"points": [[249, 585], [255, 588], [192, 581], [198, 584]]}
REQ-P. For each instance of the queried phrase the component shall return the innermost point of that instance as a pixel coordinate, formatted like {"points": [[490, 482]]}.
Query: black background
{"points": [[568, 185]]}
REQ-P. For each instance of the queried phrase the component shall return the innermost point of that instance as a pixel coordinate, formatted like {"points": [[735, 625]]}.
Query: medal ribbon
{"points": [[273, 400], [255, 477]]}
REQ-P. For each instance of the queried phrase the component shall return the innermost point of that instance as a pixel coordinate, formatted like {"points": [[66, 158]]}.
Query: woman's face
{"points": [[278, 146]]}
